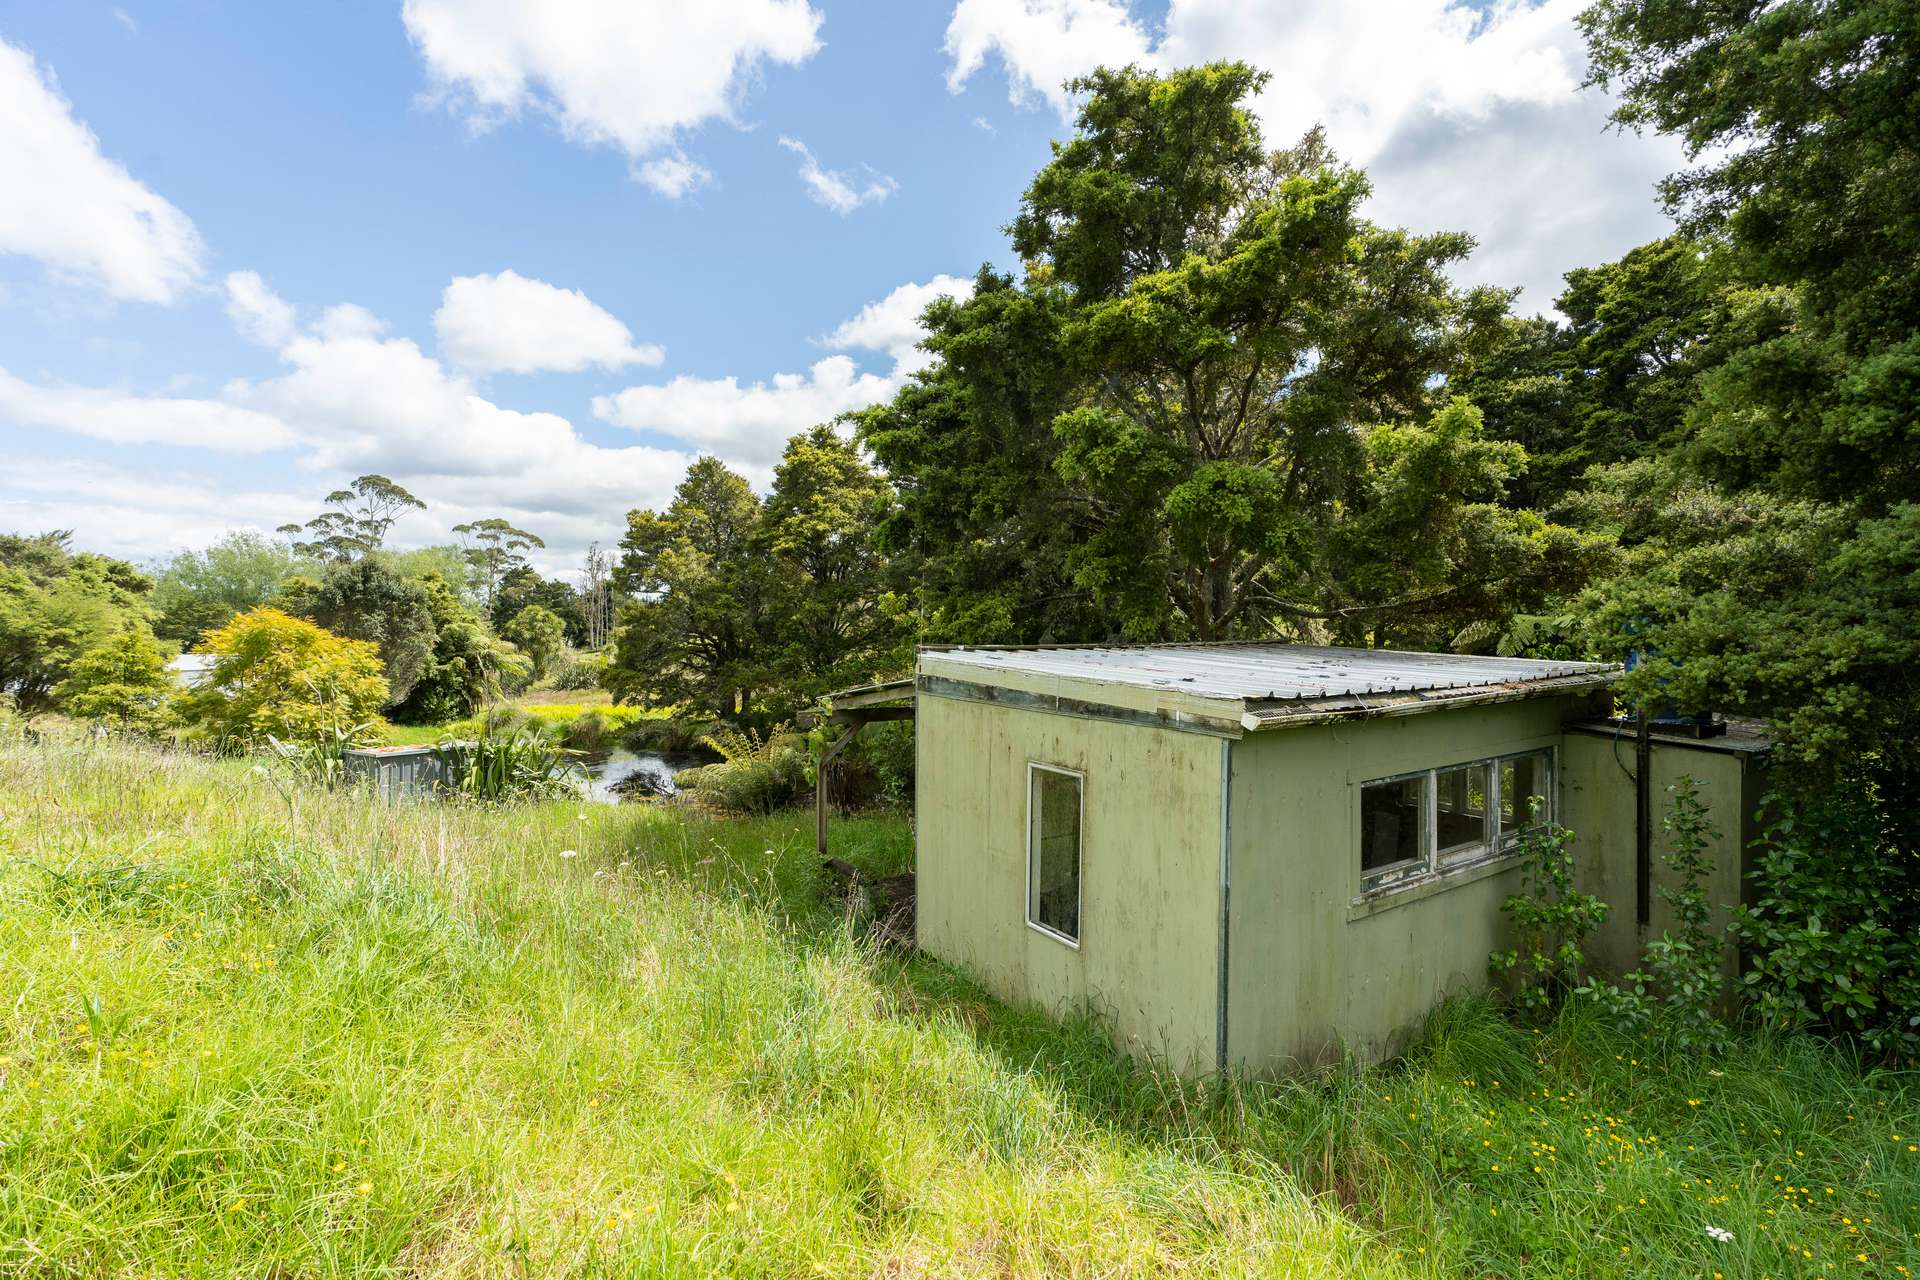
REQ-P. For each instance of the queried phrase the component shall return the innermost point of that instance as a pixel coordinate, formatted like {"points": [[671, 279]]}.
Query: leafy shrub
{"points": [[578, 671], [1552, 918], [280, 676], [369, 600], [469, 665], [319, 758], [1832, 940], [539, 633], [121, 684], [754, 774], [514, 765], [1678, 989]]}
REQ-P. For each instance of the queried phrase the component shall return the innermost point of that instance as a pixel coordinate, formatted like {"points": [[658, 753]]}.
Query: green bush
{"points": [[283, 677], [1678, 989], [754, 775], [1552, 918], [121, 684], [578, 671], [513, 765], [1832, 940]]}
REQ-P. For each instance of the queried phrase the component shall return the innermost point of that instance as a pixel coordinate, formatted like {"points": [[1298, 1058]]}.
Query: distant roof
{"points": [[1259, 684]]}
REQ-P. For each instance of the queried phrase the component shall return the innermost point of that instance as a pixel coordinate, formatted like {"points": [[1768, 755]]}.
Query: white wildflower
{"points": [[1720, 1234], [569, 853]]}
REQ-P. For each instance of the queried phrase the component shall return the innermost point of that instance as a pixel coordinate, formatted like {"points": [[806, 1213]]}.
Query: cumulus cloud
{"points": [[632, 74], [259, 313], [352, 399], [892, 324], [1042, 44], [1467, 117], [836, 189], [508, 323], [125, 417], [673, 175], [752, 422], [77, 212]]}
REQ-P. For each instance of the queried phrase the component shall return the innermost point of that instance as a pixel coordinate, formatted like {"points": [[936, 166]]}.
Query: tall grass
{"points": [[255, 1030]]}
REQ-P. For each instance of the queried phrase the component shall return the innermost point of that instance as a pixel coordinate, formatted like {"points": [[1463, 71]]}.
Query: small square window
{"points": [[1393, 818], [1524, 779], [1461, 807], [1053, 851]]}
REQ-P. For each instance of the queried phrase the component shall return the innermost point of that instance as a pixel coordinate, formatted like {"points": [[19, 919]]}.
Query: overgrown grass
{"points": [[251, 1031]]}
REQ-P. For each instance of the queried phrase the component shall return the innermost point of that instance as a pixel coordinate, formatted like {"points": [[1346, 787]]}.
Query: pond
{"points": [[604, 776]]}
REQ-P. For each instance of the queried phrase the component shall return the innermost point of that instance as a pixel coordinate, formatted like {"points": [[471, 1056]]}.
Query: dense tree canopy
{"points": [[196, 591], [56, 605]]}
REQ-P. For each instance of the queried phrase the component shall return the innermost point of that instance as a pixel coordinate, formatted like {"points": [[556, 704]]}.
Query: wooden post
{"points": [[827, 757]]}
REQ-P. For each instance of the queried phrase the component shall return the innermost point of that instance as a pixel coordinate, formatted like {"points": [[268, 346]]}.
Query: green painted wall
{"points": [[1314, 966], [1150, 909], [1598, 805]]}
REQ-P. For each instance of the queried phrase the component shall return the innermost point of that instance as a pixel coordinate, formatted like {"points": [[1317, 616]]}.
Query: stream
{"points": [[622, 764]]}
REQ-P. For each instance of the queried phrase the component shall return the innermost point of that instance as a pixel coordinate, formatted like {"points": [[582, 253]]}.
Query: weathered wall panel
{"points": [[1598, 795], [1312, 966], [1150, 905]]}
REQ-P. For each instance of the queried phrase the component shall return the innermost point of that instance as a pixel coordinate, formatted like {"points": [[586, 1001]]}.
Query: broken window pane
{"points": [[1053, 892]]}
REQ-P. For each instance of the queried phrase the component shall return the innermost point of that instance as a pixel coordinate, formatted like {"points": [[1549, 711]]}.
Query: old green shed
{"points": [[1251, 854]]}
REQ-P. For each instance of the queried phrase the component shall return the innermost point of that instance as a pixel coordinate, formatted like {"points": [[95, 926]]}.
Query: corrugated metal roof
{"points": [[1260, 672]]}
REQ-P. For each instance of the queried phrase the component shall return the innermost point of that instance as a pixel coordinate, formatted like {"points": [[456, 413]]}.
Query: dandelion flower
{"points": [[365, 1188], [339, 1166], [1720, 1234]]}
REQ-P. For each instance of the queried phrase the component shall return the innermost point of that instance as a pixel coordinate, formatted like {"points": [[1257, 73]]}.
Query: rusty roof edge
{"points": [[1263, 714]]}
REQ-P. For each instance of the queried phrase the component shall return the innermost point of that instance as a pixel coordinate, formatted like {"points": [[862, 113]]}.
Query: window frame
{"points": [[1505, 841], [1489, 841], [1376, 879], [1431, 865], [1080, 854]]}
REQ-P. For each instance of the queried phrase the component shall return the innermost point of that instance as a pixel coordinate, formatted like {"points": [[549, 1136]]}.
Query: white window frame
{"points": [[1489, 821], [1430, 865], [1080, 854], [1407, 869], [1504, 840]]}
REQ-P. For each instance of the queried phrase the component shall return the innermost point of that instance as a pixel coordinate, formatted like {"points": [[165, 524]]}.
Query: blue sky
{"points": [[680, 229]]}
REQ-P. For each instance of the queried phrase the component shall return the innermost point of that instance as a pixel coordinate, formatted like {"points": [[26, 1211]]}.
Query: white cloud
{"points": [[80, 214], [836, 189], [259, 313], [125, 19], [124, 417], [632, 74], [1042, 44], [352, 400], [1466, 117], [892, 324], [752, 422], [673, 175], [512, 324]]}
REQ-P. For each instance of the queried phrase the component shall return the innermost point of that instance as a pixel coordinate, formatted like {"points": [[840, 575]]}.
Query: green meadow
{"points": [[252, 1029]]}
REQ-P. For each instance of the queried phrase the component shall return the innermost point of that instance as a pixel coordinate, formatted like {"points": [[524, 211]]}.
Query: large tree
{"points": [[1208, 340], [1806, 120], [356, 522], [698, 632], [495, 548], [838, 623], [196, 591], [367, 600], [57, 605]]}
